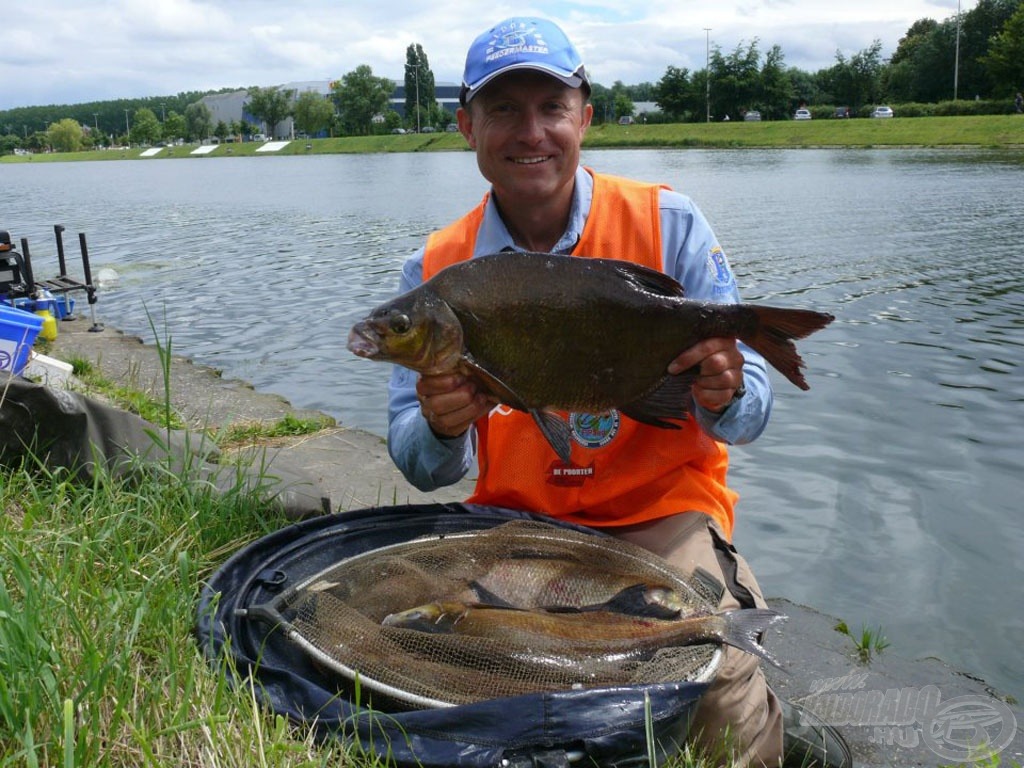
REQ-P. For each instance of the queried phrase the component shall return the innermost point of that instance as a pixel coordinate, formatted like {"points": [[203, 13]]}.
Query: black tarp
{"points": [[605, 726]]}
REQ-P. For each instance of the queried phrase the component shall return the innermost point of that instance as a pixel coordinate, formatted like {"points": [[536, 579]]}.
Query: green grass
{"points": [[986, 131], [868, 644], [97, 597]]}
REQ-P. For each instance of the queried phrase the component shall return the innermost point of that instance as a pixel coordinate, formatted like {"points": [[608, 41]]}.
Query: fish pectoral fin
{"points": [[484, 596], [668, 401], [492, 383], [555, 430], [633, 601]]}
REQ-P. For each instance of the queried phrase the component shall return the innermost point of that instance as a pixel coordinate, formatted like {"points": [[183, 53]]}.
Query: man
{"points": [[525, 113]]}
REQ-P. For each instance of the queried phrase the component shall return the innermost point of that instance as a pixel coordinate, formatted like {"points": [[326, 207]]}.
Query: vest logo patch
{"points": [[594, 430]]}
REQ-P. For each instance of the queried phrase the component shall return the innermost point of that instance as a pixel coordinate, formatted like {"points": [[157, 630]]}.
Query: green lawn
{"points": [[989, 131]]}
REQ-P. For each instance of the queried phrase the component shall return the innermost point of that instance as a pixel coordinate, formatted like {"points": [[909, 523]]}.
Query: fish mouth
{"points": [[362, 341]]}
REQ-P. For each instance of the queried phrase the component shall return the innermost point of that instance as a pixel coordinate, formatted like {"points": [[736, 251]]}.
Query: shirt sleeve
{"points": [[427, 461], [693, 255]]}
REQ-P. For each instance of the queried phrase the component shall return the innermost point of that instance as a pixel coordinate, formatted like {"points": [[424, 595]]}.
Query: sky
{"points": [[57, 52]]}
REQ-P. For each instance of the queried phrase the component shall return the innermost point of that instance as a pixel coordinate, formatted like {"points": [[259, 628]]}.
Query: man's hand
{"points": [[719, 365], [451, 403]]}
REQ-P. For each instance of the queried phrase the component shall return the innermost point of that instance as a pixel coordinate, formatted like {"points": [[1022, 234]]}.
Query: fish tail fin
{"points": [[773, 337], [744, 625]]}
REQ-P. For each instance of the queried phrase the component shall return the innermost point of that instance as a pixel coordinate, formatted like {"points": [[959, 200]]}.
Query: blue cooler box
{"points": [[18, 332]]}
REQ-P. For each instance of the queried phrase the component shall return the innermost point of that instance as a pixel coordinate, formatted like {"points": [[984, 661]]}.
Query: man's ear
{"points": [[465, 123]]}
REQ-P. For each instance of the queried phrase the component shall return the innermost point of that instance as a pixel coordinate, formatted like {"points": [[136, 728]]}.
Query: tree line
{"points": [[969, 63]]}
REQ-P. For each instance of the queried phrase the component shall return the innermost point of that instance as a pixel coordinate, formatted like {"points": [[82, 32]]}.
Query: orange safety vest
{"points": [[621, 472]]}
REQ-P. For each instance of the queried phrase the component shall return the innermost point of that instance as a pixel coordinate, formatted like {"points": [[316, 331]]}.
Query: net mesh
{"points": [[557, 575]]}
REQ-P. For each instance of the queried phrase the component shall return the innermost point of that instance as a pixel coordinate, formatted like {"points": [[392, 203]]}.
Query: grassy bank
{"points": [[988, 131], [97, 601]]}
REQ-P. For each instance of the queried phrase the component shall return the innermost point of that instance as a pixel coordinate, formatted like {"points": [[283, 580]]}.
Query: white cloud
{"points": [[55, 52]]}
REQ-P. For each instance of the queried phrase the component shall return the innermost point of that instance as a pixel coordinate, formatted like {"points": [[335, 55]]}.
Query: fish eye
{"points": [[400, 323]]}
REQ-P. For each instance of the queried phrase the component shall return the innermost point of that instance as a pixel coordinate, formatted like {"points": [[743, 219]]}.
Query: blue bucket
{"points": [[18, 332]]}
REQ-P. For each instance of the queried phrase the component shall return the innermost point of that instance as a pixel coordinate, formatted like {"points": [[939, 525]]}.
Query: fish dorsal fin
{"points": [[668, 401], [555, 430], [650, 280]]}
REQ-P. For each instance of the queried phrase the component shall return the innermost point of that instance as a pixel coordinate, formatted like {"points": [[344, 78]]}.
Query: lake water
{"points": [[887, 495]]}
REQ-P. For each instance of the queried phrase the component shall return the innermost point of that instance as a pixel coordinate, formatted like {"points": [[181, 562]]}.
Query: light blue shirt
{"points": [[691, 254]]}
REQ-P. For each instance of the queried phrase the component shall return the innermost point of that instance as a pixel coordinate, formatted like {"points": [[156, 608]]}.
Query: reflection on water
{"points": [[886, 495]]}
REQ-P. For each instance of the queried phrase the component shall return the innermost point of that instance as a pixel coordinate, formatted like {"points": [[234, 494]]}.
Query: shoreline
{"points": [[353, 468], [997, 133]]}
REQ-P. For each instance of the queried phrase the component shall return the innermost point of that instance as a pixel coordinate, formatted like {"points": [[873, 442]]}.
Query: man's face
{"points": [[526, 129]]}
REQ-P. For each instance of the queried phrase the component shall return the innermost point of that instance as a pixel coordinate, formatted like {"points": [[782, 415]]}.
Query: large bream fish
{"points": [[544, 333], [604, 635]]}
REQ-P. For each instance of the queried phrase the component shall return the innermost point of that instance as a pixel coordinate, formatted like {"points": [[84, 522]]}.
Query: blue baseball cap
{"points": [[522, 43]]}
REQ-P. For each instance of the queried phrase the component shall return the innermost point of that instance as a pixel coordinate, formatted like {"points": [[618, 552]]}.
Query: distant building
{"points": [[230, 107]]}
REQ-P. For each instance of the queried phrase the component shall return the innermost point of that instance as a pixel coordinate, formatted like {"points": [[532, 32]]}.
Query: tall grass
{"points": [[97, 605]]}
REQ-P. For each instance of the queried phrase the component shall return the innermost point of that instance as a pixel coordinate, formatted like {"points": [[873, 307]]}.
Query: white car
{"points": [[802, 114], [882, 112]]}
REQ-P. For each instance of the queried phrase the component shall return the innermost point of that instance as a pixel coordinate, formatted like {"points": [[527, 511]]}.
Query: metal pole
{"points": [[956, 64], [127, 128], [707, 70]]}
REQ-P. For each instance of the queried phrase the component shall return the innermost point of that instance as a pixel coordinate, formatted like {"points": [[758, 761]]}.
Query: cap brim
{"points": [[573, 80]]}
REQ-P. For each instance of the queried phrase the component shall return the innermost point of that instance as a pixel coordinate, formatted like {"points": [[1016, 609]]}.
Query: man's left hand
{"points": [[719, 365]]}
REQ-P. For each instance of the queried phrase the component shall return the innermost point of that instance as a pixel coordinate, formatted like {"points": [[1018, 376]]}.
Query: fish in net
{"points": [[519, 608]]}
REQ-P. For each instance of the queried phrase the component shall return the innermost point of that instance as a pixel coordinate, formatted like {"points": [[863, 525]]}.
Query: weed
{"points": [[869, 643]]}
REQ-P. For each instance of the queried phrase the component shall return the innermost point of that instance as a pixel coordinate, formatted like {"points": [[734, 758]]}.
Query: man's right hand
{"points": [[450, 403]]}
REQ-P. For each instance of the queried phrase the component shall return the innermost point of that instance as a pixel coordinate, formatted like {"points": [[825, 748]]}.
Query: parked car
{"points": [[752, 116], [802, 114], [882, 112], [626, 120], [842, 112], [398, 130]]}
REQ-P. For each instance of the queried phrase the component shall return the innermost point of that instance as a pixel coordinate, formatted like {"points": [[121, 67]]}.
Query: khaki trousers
{"points": [[738, 720]]}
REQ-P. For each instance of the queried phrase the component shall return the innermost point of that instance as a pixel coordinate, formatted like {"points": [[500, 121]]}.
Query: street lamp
{"points": [[96, 121], [127, 128], [162, 116], [416, 71], [707, 71]]}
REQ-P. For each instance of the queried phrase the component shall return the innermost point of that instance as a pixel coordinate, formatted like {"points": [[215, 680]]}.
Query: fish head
{"points": [[417, 330]]}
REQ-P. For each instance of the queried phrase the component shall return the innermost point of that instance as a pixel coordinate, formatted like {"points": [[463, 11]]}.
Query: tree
{"points": [[146, 129], [735, 80], [1005, 57], [221, 131], [198, 121], [313, 113], [65, 136], [857, 81], [777, 93], [979, 26], [174, 126], [419, 86], [359, 95], [271, 105], [672, 93], [9, 143]]}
